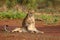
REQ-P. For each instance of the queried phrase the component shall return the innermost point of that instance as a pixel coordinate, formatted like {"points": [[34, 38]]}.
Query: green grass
{"points": [[11, 14], [14, 14], [49, 19]]}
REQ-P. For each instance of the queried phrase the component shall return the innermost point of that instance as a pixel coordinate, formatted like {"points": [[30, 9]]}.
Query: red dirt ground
{"points": [[51, 32]]}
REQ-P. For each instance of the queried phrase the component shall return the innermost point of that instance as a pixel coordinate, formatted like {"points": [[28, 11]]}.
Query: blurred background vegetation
{"points": [[33, 4], [47, 10]]}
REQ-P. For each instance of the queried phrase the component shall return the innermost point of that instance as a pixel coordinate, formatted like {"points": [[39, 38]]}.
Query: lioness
{"points": [[28, 24]]}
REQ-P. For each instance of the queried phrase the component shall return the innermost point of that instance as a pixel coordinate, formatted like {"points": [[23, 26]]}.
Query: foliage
{"points": [[49, 19], [12, 15], [8, 3], [29, 3]]}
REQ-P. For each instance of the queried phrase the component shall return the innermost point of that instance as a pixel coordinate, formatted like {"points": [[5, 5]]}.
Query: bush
{"points": [[8, 3], [49, 19], [12, 15]]}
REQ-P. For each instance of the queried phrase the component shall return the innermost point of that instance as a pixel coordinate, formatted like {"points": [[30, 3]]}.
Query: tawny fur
{"points": [[28, 24]]}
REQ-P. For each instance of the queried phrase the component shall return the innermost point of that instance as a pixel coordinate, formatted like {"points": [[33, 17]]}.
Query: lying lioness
{"points": [[28, 24]]}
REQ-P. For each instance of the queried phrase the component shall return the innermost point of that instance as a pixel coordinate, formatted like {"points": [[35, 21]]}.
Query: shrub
{"points": [[49, 19], [12, 15]]}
